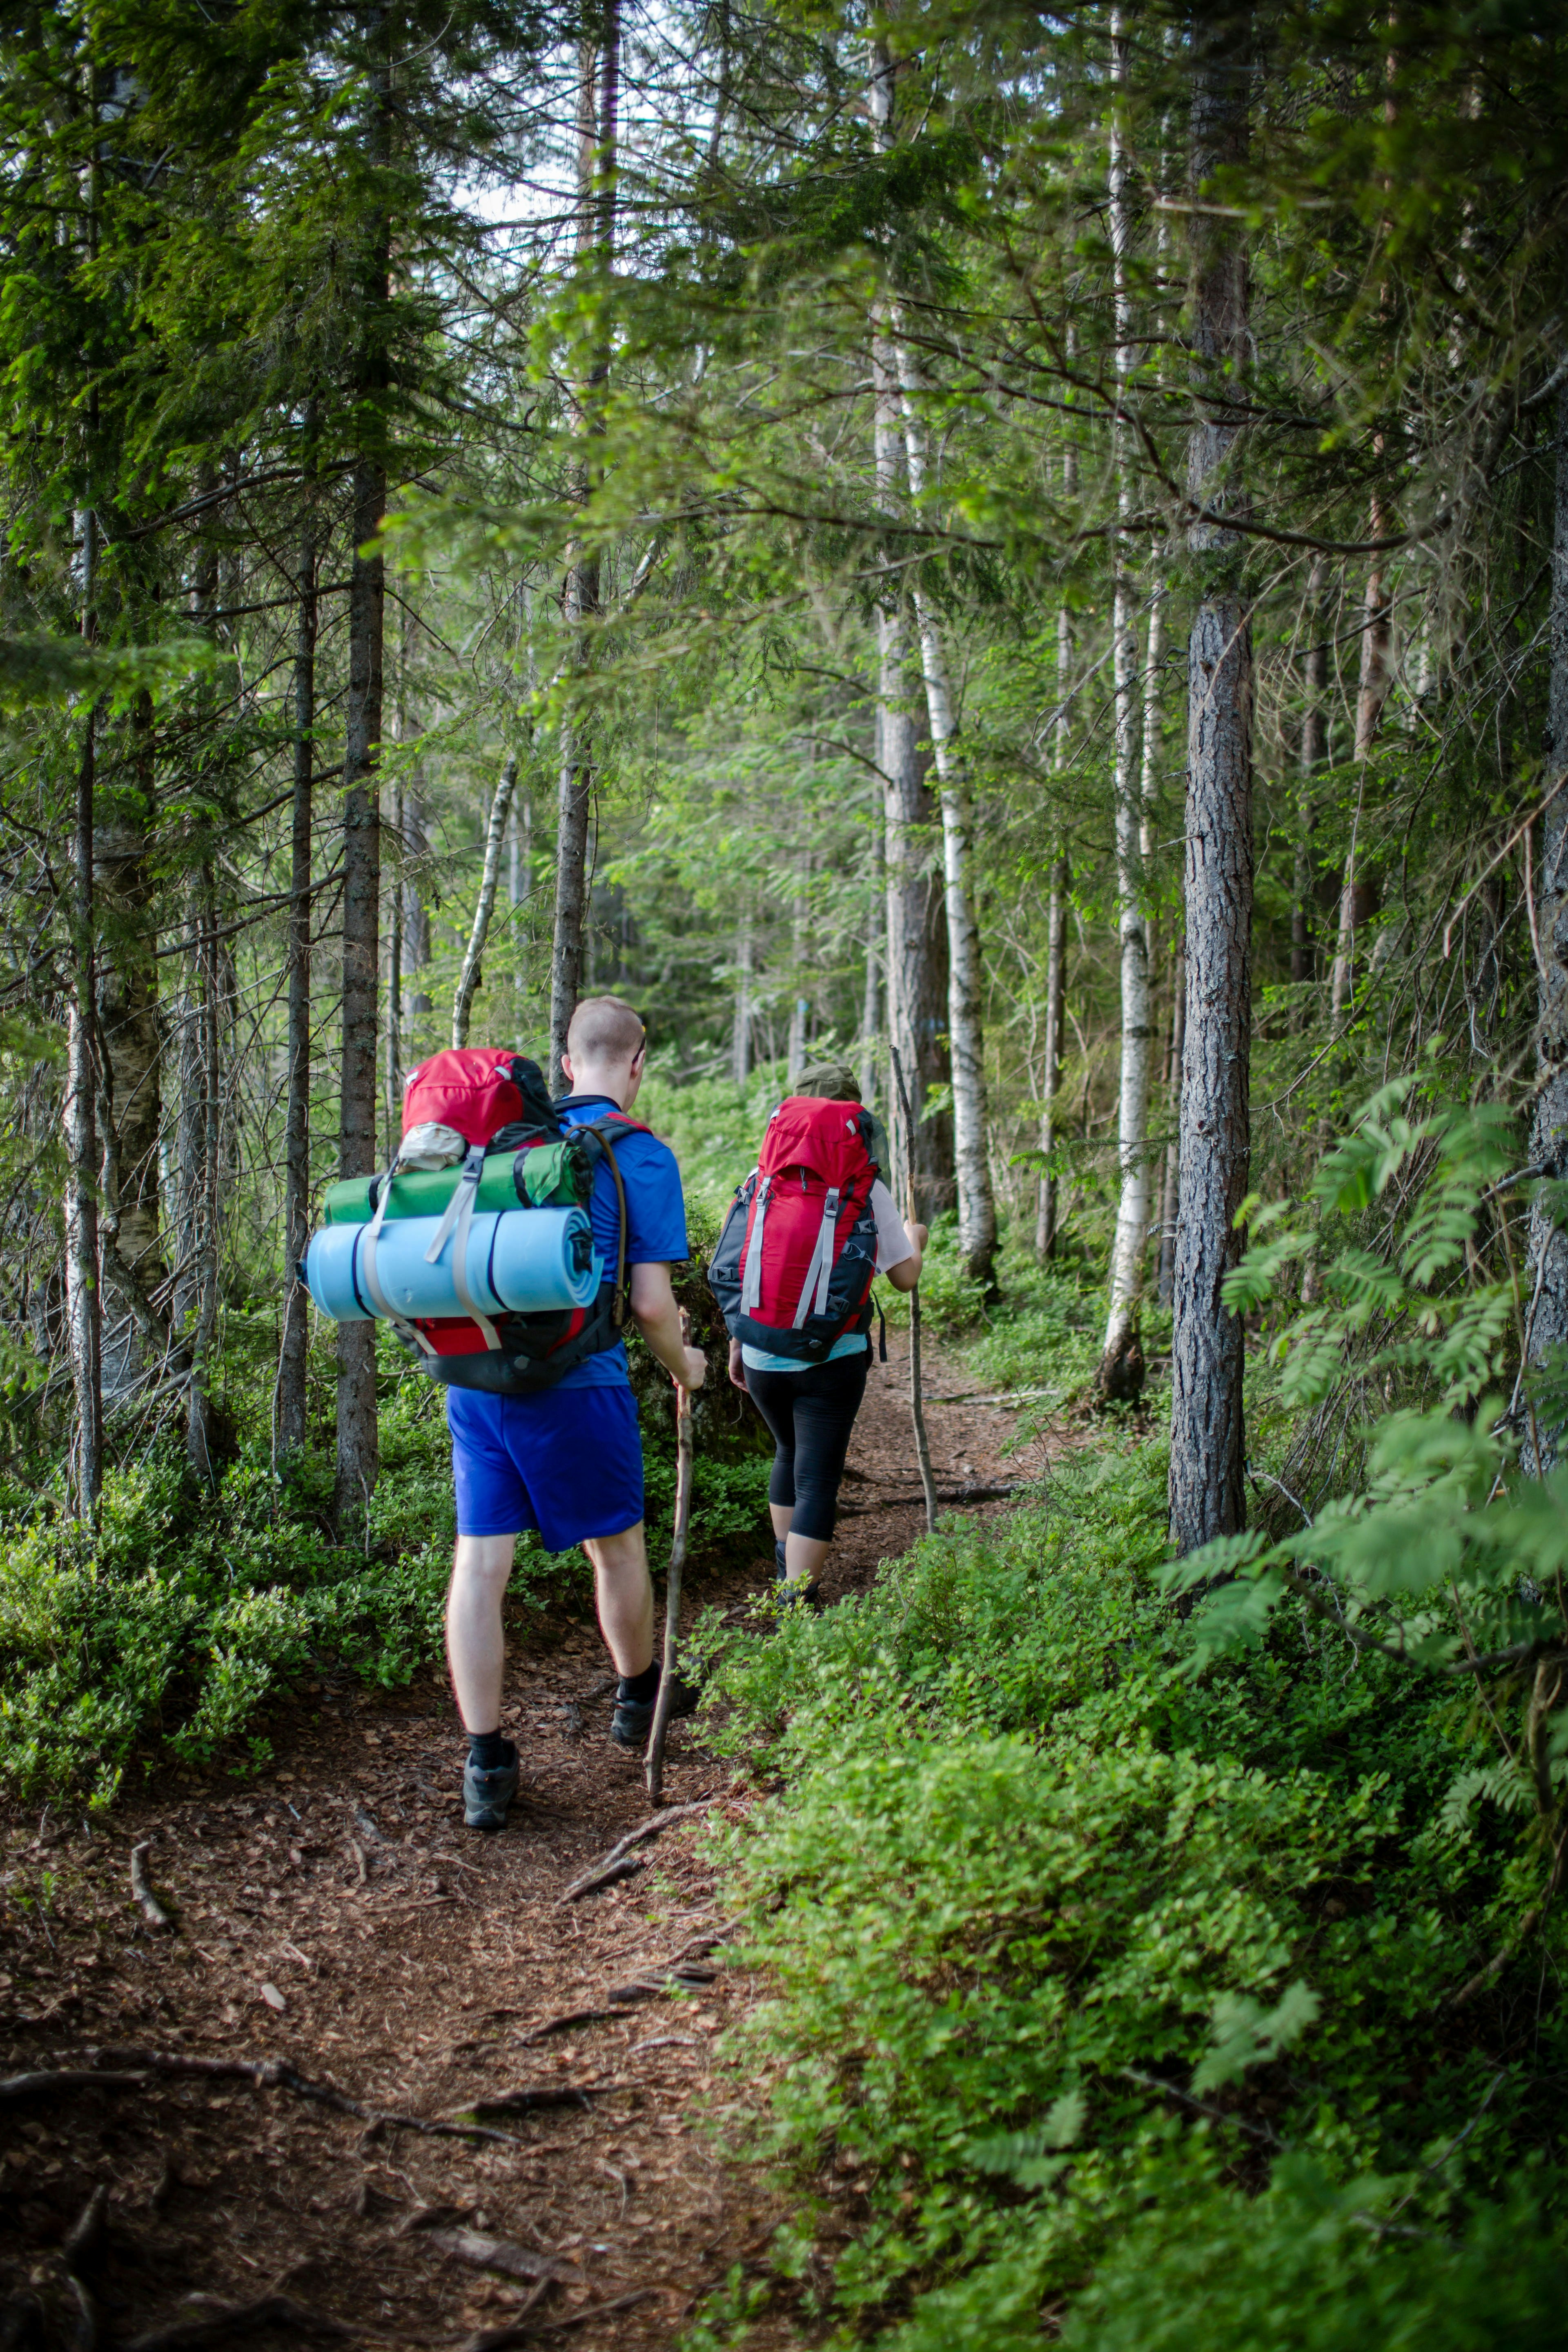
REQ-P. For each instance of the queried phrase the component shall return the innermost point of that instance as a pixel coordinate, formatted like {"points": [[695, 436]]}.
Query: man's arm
{"points": [[657, 1317]]}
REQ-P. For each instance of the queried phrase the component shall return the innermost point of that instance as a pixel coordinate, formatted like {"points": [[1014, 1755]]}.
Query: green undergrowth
{"points": [[169, 1635], [1113, 1980]]}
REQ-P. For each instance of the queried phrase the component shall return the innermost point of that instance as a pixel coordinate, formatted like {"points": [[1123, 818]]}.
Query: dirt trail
{"points": [[335, 1917]]}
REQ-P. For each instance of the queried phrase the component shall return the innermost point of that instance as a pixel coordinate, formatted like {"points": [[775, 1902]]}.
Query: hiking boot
{"points": [[793, 1595], [633, 1718], [487, 1795]]}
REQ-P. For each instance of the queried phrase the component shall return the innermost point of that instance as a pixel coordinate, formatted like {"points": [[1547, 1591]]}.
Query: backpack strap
{"points": [[603, 1129], [819, 1273], [379, 1301], [751, 1271], [457, 1223]]}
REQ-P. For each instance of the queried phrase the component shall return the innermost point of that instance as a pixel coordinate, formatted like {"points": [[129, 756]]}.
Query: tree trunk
{"points": [[1376, 676], [966, 983], [490, 883], [1170, 1185], [128, 1038], [1051, 1072], [1207, 1490], [201, 1117], [82, 1295], [740, 1030], [1547, 1281], [358, 1446], [1122, 1355], [1314, 751], [871, 991], [800, 1004], [598, 89], [294, 1351]]}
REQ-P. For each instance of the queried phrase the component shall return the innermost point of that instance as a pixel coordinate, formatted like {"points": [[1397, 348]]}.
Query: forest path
{"points": [[335, 1917]]}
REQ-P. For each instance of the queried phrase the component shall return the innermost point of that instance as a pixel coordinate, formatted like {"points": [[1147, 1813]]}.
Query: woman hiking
{"points": [[808, 1230]]}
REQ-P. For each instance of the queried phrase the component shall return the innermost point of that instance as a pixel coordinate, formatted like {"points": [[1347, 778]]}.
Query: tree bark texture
{"points": [[358, 1445], [598, 93], [1171, 1182], [129, 1045], [1051, 1070], [1207, 1489], [965, 978], [915, 971], [1314, 751], [1547, 1277], [741, 1028], [294, 1349], [1376, 678], [83, 1313], [490, 883], [1121, 1354], [202, 1123]]}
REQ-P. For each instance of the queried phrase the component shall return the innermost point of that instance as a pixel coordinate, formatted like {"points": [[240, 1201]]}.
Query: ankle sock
{"points": [[640, 1687], [781, 1558], [488, 1751]]}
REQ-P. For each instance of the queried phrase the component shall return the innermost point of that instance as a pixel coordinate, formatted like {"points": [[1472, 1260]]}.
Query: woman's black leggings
{"points": [[811, 1414]]}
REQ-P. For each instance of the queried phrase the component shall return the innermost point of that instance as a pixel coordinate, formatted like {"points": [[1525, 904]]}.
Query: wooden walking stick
{"points": [[917, 1403], [672, 1588]]}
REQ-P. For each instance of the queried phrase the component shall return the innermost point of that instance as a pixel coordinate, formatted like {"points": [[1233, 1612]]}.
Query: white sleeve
{"points": [[893, 1245]]}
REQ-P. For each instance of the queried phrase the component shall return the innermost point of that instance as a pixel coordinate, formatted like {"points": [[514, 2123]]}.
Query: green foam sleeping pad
{"points": [[551, 1176]]}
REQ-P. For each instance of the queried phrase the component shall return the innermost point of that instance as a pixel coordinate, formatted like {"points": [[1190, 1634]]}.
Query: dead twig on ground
{"points": [[142, 1893], [44, 2082], [532, 2098], [273, 2074], [608, 1873], [501, 2254], [519, 2330]]}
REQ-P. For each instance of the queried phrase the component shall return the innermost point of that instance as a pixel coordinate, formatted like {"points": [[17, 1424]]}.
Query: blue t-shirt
{"points": [[656, 1222]]}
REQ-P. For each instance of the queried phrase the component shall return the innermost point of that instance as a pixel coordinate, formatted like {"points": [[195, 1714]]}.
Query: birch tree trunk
{"points": [[966, 1043], [1122, 1355], [83, 1317], [740, 1030], [294, 1349], [598, 93], [490, 883], [1207, 1490], [1546, 1285]]}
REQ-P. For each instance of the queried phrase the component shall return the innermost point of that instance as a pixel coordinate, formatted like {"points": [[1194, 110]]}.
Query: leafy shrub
{"points": [[1070, 1933]]}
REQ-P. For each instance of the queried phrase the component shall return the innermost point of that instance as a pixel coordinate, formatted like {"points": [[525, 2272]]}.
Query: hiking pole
{"points": [[672, 1588], [917, 1405]]}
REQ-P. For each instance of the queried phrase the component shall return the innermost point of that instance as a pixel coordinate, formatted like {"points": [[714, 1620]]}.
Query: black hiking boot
{"points": [[633, 1718], [487, 1795]]}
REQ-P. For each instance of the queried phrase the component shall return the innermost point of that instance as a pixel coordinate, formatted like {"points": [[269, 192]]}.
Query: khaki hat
{"points": [[837, 1082]]}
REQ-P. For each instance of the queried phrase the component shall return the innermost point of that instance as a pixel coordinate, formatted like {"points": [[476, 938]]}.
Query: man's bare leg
{"points": [[623, 1591], [475, 1644]]}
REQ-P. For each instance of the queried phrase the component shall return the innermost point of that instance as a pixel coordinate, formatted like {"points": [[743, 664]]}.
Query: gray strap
{"points": [[751, 1272], [380, 1304], [819, 1273], [467, 1192], [467, 1185]]}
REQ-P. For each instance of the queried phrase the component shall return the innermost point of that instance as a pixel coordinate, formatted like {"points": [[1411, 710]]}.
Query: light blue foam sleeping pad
{"points": [[521, 1261]]}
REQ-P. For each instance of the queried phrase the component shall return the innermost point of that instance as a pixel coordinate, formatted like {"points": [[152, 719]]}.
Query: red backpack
{"points": [[499, 1102], [795, 1263]]}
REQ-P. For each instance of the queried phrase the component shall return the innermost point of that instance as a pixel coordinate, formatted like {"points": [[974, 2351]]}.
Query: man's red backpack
{"points": [[485, 1102], [795, 1259]]}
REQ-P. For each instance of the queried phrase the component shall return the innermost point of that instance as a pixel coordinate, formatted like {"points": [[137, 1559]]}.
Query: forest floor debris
{"points": [[269, 2172]]}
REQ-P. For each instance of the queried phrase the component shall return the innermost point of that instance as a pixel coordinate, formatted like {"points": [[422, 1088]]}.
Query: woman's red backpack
{"points": [[795, 1263]]}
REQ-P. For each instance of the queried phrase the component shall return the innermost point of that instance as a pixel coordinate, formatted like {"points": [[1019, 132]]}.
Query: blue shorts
{"points": [[568, 1463]]}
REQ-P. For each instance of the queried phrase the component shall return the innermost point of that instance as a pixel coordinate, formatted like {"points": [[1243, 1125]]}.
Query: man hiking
{"points": [[567, 1461]]}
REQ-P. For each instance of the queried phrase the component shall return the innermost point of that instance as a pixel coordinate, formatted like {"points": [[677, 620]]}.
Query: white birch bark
{"points": [[976, 1204], [489, 882], [1122, 1359]]}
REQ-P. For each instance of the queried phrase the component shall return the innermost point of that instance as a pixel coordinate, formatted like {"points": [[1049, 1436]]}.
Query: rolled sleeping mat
{"points": [[518, 1261]]}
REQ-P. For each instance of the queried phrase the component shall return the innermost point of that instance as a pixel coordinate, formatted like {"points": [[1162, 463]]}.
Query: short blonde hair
{"points": [[604, 1029]]}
